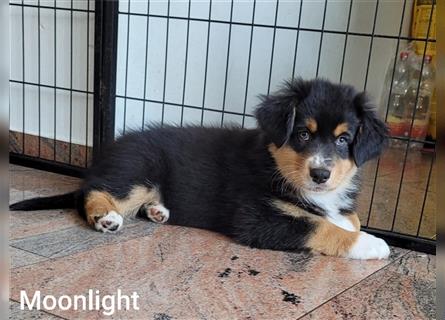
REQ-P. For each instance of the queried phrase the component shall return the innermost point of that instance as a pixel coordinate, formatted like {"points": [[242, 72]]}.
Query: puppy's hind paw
{"points": [[111, 222], [157, 213]]}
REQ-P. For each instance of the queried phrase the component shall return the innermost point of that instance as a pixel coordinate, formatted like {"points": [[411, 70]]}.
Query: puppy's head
{"points": [[320, 132]]}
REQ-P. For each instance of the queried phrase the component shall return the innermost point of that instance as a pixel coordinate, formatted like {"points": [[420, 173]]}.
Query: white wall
{"points": [[51, 111], [356, 57]]}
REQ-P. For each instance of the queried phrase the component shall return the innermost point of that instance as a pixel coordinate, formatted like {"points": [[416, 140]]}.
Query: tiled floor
{"points": [[409, 188], [184, 273]]}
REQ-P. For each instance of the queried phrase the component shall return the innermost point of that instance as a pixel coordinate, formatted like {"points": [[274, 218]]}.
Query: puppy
{"points": [[291, 184]]}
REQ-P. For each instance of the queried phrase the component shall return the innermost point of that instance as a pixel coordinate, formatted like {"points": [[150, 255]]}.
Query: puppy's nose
{"points": [[320, 175]]}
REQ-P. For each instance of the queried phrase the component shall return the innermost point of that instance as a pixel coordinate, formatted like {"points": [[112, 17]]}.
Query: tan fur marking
{"points": [[294, 167], [341, 128], [99, 203], [342, 170], [327, 238], [291, 165], [332, 240], [311, 124], [137, 197], [354, 220], [294, 211]]}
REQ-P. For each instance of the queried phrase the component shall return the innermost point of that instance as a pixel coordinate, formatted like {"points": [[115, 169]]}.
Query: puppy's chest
{"points": [[334, 207]]}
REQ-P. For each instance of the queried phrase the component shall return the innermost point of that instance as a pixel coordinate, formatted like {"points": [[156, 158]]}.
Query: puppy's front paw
{"points": [[369, 247], [157, 213], [111, 222]]}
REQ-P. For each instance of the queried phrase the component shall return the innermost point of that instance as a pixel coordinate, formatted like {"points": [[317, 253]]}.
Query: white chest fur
{"points": [[341, 221], [331, 202]]}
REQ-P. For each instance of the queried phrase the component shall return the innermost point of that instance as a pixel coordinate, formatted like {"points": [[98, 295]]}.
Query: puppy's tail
{"points": [[62, 201]]}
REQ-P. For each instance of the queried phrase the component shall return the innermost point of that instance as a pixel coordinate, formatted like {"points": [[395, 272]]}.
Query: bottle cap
{"points": [[428, 58], [404, 55]]}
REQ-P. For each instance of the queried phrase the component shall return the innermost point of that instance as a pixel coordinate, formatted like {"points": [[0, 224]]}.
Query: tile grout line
{"points": [[37, 254], [355, 284], [39, 234], [49, 232], [31, 264], [54, 258], [44, 311]]}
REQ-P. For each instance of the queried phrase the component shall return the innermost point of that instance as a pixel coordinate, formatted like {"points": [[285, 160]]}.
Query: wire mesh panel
{"points": [[216, 57], [51, 80], [206, 62]]}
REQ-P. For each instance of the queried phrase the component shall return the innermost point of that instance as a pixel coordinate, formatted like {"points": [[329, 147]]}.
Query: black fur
{"points": [[372, 136], [67, 200], [224, 179], [276, 113]]}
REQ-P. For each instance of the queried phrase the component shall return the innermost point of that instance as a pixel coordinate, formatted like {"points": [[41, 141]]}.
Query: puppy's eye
{"points": [[341, 141], [304, 135]]}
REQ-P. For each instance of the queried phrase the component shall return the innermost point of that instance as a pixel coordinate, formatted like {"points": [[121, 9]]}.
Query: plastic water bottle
{"points": [[397, 117], [423, 105]]}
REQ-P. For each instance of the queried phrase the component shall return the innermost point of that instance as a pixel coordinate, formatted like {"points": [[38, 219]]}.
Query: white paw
{"points": [[112, 222], [158, 213], [369, 247]]}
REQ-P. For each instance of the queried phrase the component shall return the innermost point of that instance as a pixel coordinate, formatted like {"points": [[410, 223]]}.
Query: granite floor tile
{"points": [[42, 147], [386, 192], [71, 240], [30, 223], [405, 289], [185, 273], [14, 167], [27, 183], [16, 313], [20, 258], [428, 226], [41, 182], [416, 264]]}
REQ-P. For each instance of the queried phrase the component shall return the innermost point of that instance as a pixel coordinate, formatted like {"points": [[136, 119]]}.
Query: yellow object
{"points": [[420, 24], [419, 29]]}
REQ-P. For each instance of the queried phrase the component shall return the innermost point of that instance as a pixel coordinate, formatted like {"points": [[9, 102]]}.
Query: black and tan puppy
{"points": [[291, 184]]}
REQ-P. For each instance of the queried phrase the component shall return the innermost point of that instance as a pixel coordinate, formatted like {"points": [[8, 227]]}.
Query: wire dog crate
{"points": [[84, 72]]}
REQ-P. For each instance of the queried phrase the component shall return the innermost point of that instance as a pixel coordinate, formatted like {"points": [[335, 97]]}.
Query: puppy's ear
{"points": [[276, 112], [372, 134]]}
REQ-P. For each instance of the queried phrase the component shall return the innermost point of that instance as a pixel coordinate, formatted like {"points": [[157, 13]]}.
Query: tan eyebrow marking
{"points": [[311, 124], [341, 128]]}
